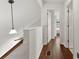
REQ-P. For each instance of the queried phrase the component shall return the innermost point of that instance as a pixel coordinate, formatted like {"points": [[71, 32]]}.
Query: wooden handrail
{"points": [[12, 49]]}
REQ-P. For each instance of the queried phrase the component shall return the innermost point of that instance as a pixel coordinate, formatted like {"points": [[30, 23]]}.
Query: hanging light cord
{"points": [[12, 16]]}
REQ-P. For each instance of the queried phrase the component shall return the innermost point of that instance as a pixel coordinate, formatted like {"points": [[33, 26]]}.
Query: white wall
{"points": [[40, 2], [45, 34], [43, 16], [44, 24], [76, 27]]}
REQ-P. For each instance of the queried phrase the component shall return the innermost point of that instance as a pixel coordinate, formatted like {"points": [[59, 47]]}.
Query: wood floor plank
{"points": [[54, 51]]}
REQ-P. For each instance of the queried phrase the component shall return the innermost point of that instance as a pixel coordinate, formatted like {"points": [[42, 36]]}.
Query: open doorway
{"points": [[53, 22], [57, 16]]}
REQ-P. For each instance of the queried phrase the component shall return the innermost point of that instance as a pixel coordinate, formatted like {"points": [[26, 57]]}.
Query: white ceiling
{"points": [[54, 1], [25, 12]]}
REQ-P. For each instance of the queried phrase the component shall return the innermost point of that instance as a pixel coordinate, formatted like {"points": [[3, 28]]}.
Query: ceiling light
{"points": [[12, 31]]}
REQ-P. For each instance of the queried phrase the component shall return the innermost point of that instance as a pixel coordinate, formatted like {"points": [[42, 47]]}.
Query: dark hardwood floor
{"points": [[55, 51]]}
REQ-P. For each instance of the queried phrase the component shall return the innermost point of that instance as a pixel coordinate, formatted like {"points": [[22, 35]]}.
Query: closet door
{"points": [[71, 27]]}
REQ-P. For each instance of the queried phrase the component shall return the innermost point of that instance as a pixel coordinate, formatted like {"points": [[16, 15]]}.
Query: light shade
{"points": [[13, 31], [57, 28]]}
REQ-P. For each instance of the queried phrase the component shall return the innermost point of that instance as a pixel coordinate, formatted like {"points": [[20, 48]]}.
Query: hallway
{"points": [[57, 51], [38, 22]]}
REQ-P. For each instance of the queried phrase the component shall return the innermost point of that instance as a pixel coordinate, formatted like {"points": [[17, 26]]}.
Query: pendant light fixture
{"points": [[12, 31]]}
